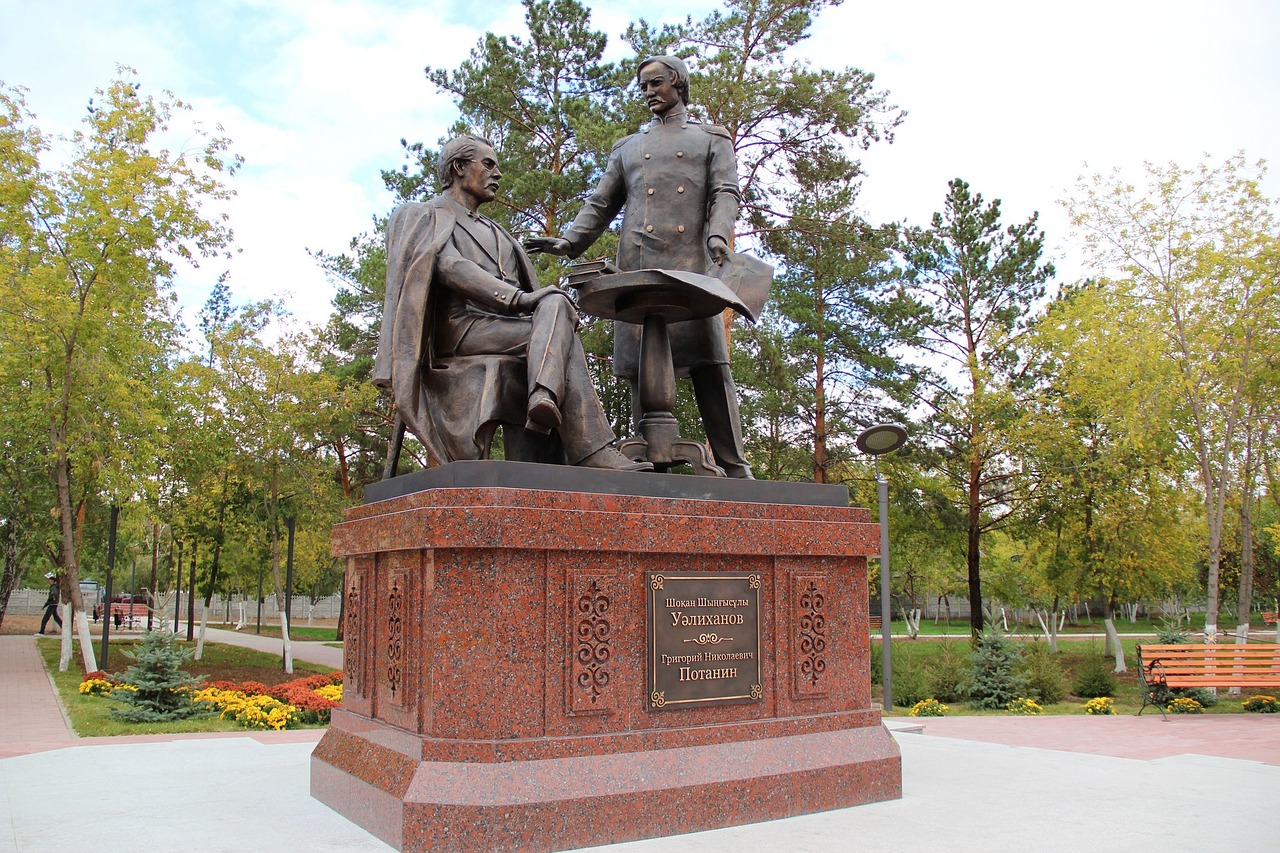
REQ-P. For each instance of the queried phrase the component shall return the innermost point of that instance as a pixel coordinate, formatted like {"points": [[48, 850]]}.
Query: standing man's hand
{"points": [[718, 248], [547, 245]]}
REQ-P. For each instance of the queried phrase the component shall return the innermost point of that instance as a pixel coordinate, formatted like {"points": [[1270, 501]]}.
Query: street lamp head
{"points": [[879, 439]]}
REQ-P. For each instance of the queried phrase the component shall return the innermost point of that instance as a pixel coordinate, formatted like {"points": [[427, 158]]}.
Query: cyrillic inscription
{"points": [[704, 638]]}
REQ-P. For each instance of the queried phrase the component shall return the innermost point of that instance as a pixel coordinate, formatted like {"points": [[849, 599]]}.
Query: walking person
{"points": [[51, 604]]}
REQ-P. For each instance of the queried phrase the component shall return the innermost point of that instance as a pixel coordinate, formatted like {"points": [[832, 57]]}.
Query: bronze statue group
{"points": [[469, 340]]}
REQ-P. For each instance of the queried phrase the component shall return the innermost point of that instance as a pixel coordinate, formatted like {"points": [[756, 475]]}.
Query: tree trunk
{"points": [[152, 594], [1113, 642], [973, 556], [1244, 606], [284, 618], [71, 566], [1049, 625], [86, 641], [204, 623], [191, 594], [819, 422], [64, 652], [288, 644], [10, 577]]}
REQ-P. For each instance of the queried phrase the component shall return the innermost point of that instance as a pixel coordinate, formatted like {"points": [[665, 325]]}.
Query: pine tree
{"points": [[161, 690]]}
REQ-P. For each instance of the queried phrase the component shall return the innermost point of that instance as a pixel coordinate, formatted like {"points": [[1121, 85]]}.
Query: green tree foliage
{"points": [[1043, 671], [835, 300], [975, 285], [1192, 256], [550, 105], [89, 250], [779, 111], [1094, 678], [1109, 514]]}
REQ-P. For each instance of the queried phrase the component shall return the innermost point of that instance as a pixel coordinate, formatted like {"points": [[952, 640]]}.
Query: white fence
{"points": [[28, 601]]}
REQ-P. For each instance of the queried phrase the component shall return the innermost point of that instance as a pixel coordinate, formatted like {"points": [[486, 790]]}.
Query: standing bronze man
{"points": [[462, 304], [678, 182]]}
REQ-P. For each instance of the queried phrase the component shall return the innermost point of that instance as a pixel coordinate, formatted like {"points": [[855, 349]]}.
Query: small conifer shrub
{"points": [[155, 687], [993, 680]]}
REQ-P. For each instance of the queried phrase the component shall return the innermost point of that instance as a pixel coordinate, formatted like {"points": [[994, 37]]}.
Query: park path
{"points": [[31, 719], [304, 650]]}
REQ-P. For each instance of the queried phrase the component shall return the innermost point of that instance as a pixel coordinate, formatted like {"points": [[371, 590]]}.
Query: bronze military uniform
{"points": [[676, 184], [678, 181]]}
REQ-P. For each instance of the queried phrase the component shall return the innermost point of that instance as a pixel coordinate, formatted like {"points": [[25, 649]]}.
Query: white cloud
{"points": [[1014, 97]]}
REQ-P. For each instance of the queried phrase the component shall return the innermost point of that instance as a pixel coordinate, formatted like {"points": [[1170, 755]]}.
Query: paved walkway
{"points": [[992, 783], [306, 650]]}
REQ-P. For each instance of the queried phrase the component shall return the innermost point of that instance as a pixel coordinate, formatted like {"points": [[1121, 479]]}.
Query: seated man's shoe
{"points": [[544, 414], [608, 458]]}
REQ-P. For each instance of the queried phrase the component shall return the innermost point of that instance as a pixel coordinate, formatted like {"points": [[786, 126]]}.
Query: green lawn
{"points": [[911, 657], [296, 632], [90, 715]]}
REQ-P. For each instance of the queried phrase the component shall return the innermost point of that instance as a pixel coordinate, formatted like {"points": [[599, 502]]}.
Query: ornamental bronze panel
{"points": [[703, 638]]}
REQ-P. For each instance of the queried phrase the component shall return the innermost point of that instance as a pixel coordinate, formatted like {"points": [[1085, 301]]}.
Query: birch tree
{"points": [[86, 274], [1190, 252]]}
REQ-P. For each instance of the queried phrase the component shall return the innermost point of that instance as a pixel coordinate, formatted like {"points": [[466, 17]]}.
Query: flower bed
{"points": [[254, 705]]}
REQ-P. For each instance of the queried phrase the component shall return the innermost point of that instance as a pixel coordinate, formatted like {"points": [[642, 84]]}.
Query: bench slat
{"points": [[1223, 682]]}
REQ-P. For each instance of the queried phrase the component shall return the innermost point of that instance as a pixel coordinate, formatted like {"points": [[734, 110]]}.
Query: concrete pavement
{"points": [[994, 783]]}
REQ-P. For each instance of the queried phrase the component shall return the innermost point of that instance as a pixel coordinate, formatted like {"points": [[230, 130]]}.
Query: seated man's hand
{"points": [[526, 302], [718, 248], [547, 245]]}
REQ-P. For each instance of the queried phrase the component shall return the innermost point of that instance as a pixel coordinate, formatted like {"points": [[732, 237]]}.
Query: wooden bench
{"points": [[873, 624], [131, 615], [1268, 618], [1205, 665]]}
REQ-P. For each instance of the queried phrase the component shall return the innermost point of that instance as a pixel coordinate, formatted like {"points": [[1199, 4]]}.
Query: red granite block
{"points": [[497, 694]]}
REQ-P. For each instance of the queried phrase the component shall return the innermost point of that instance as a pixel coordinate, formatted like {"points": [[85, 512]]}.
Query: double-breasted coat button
{"points": [[679, 189], [650, 190], [680, 228], [679, 153], [648, 228], [647, 156]]}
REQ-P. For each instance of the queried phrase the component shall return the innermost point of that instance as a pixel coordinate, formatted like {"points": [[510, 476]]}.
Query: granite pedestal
{"points": [[496, 693]]}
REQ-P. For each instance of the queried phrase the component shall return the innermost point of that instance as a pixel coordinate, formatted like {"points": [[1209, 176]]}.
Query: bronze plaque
{"points": [[703, 638]]}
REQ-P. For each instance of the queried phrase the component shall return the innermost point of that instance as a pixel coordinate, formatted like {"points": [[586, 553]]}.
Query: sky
{"points": [[1017, 98]]}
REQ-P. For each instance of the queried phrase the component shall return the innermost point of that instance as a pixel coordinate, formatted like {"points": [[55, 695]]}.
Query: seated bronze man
{"points": [[469, 340]]}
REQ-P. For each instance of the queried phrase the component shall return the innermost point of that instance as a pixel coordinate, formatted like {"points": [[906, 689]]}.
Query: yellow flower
{"points": [[928, 708], [95, 687], [332, 692]]}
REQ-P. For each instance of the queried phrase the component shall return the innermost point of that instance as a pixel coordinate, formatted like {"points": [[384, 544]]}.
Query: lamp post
{"points": [[876, 441]]}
